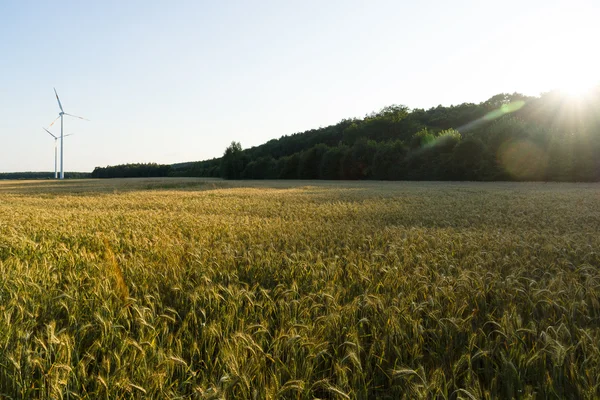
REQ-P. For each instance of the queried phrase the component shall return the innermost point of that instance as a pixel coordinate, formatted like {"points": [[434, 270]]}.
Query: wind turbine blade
{"points": [[60, 105], [71, 115], [70, 134], [49, 133], [54, 121]]}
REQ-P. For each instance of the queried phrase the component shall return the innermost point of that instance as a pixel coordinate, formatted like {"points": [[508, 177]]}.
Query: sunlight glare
{"points": [[560, 59], [576, 86]]}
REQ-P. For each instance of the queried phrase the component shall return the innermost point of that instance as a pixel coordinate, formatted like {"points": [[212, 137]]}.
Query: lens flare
{"points": [[504, 109], [492, 115], [523, 160]]}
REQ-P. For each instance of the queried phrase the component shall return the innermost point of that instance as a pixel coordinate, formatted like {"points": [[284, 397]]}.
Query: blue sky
{"points": [[169, 82]]}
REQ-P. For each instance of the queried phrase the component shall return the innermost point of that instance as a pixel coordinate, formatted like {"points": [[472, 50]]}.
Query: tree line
{"points": [[42, 175], [553, 137], [508, 137], [139, 170]]}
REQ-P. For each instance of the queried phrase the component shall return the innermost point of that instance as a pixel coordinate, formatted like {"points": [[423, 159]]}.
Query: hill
{"points": [[508, 137], [553, 137]]}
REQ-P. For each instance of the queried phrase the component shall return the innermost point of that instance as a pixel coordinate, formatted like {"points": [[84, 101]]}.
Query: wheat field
{"points": [[198, 288]]}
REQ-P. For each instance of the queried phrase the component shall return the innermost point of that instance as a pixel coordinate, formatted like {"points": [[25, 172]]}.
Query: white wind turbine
{"points": [[55, 149], [60, 115]]}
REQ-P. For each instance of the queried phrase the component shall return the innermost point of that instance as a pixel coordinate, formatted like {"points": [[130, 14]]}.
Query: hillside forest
{"points": [[553, 137]]}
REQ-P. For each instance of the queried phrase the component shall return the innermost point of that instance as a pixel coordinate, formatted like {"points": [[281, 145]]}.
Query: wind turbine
{"points": [[55, 149], [60, 115]]}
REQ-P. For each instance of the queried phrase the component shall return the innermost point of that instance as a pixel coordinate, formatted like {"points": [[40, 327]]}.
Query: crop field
{"points": [[199, 288]]}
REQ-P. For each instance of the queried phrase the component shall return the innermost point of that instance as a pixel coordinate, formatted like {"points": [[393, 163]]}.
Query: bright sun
{"points": [[559, 59], [576, 86]]}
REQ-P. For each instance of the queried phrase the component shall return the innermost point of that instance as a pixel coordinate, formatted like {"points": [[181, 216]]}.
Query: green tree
{"points": [[331, 162], [233, 161], [288, 166], [310, 162], [467, 156]]}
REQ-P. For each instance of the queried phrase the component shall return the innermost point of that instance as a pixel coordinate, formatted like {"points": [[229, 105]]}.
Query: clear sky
{"points": [[177, 81]]}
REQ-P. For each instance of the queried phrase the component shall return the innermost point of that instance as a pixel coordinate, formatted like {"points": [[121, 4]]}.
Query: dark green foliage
{"points": [[508, 137], [233, 161], [42, 175], [331, 162], [262, 168], [208, 168], [389, 161], [310, 162], [466, 158], [288, 167], [132, 171]]}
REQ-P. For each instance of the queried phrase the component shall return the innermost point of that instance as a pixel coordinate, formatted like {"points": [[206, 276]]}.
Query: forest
{"points": [[553, 137], [42, 175], [140, 170]]}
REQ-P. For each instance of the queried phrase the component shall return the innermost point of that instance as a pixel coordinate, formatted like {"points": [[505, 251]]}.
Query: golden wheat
{"points": [[170, 288]]}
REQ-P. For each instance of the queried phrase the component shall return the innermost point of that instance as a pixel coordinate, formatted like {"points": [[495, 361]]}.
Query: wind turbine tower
{"points": [[60, 115], [55, 150]]}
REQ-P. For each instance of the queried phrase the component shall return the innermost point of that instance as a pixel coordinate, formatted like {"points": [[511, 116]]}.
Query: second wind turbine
{"points": [[55, 147], [60, 115]]}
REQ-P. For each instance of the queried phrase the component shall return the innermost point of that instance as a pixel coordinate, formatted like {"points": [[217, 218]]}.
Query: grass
{"points": [[196, 288]]}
